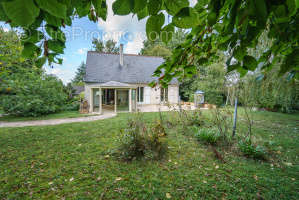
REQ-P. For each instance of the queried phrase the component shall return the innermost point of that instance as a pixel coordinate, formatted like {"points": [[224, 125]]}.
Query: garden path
{"points": [[56, 121]]}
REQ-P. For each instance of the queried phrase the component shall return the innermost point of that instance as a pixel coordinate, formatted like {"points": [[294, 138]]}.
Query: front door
{"points": [[122, 100]]}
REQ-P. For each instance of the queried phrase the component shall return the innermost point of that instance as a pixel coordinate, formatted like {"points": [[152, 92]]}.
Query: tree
{"points": [[11, 60], [33, 94], [158, 48], [229, 25], [106, 47], [80, 74], [210, 80], [25, 89], [269, 91]]}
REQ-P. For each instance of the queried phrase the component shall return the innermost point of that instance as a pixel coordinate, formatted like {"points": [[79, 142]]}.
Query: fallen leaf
{"points": [[168, 196]]}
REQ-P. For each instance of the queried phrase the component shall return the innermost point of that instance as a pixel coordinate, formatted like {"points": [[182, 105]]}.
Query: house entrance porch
{"points": [[113, 99]]}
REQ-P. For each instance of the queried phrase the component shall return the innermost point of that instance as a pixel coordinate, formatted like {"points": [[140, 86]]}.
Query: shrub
{"points": [[191, 118], [72, 106], [208, 136], [253, 151], [142, 141], [34, 95], [222, 120]]}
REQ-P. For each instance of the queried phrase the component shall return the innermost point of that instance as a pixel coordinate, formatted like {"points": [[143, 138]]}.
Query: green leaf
{"points": [[249, 63], [53, 7], [123, 7], [3, 16], [292, 6], [101, 8], [142, 14], [242, 71], [50, 19], [55, 33], [291, 61], [154, 6], [104, 12], [186, 18], [20, 12], [233, 67], [190, 70], [239, 53], [167, 33], [139, 5], [32, 36], [82, 8], [261, 11], [40, 61], [153, 26], [173, 7], [29, 50], [56, 46], [212, 18]]}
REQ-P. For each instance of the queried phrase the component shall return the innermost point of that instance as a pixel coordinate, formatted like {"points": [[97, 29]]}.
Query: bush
{"points": [[140, 141], [208, 136], [191, 118], [250, 150], [33, 95], [72, 106]]}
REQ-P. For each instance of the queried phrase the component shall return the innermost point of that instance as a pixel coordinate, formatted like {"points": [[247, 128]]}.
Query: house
{"points": [[119, 82]]}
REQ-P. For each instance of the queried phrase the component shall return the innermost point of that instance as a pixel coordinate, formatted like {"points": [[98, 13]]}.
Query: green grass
{"points": [[60, 115], [70, 161]]}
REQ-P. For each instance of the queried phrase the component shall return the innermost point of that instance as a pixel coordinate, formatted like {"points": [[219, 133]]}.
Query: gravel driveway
{"points": [[56, 121]]}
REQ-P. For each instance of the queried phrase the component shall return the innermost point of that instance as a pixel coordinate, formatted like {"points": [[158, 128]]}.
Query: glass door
{"points": [[122, 100], [96, 100]]}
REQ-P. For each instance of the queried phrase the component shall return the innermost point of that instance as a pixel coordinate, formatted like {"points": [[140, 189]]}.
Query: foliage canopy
{"points": [[233, 26]]}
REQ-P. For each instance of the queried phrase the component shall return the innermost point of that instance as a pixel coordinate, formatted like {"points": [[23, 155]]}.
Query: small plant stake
{"points": [[235, 117]]}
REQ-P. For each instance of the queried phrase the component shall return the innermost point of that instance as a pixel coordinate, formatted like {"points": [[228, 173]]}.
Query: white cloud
{"points": [[65, 73], [134, 46], [82, 51], [116, 26]]}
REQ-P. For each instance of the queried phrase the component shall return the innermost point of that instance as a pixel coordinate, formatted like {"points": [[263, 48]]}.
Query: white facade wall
{"points": [[147, 95], [151, 95], [173, 94]]}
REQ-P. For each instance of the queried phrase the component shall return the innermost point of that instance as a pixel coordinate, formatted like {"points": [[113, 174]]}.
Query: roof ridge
{"points": [[126, 54]]}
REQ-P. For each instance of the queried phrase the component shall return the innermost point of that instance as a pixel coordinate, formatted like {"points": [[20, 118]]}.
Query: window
{"points": [[164, 94], [140, 91]]}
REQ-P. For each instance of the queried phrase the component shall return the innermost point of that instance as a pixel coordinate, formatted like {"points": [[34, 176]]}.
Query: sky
{"points": [[125, 30]]}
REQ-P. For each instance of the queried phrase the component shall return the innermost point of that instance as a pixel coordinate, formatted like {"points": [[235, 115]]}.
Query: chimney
{"points": [[121, 55]]}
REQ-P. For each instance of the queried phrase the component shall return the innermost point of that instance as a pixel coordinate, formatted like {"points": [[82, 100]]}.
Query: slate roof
{"points": [[105, 67], [78, 89]]}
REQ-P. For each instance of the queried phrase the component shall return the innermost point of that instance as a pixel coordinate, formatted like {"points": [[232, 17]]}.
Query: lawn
{"points": [[73, 161], [60, 115]]}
